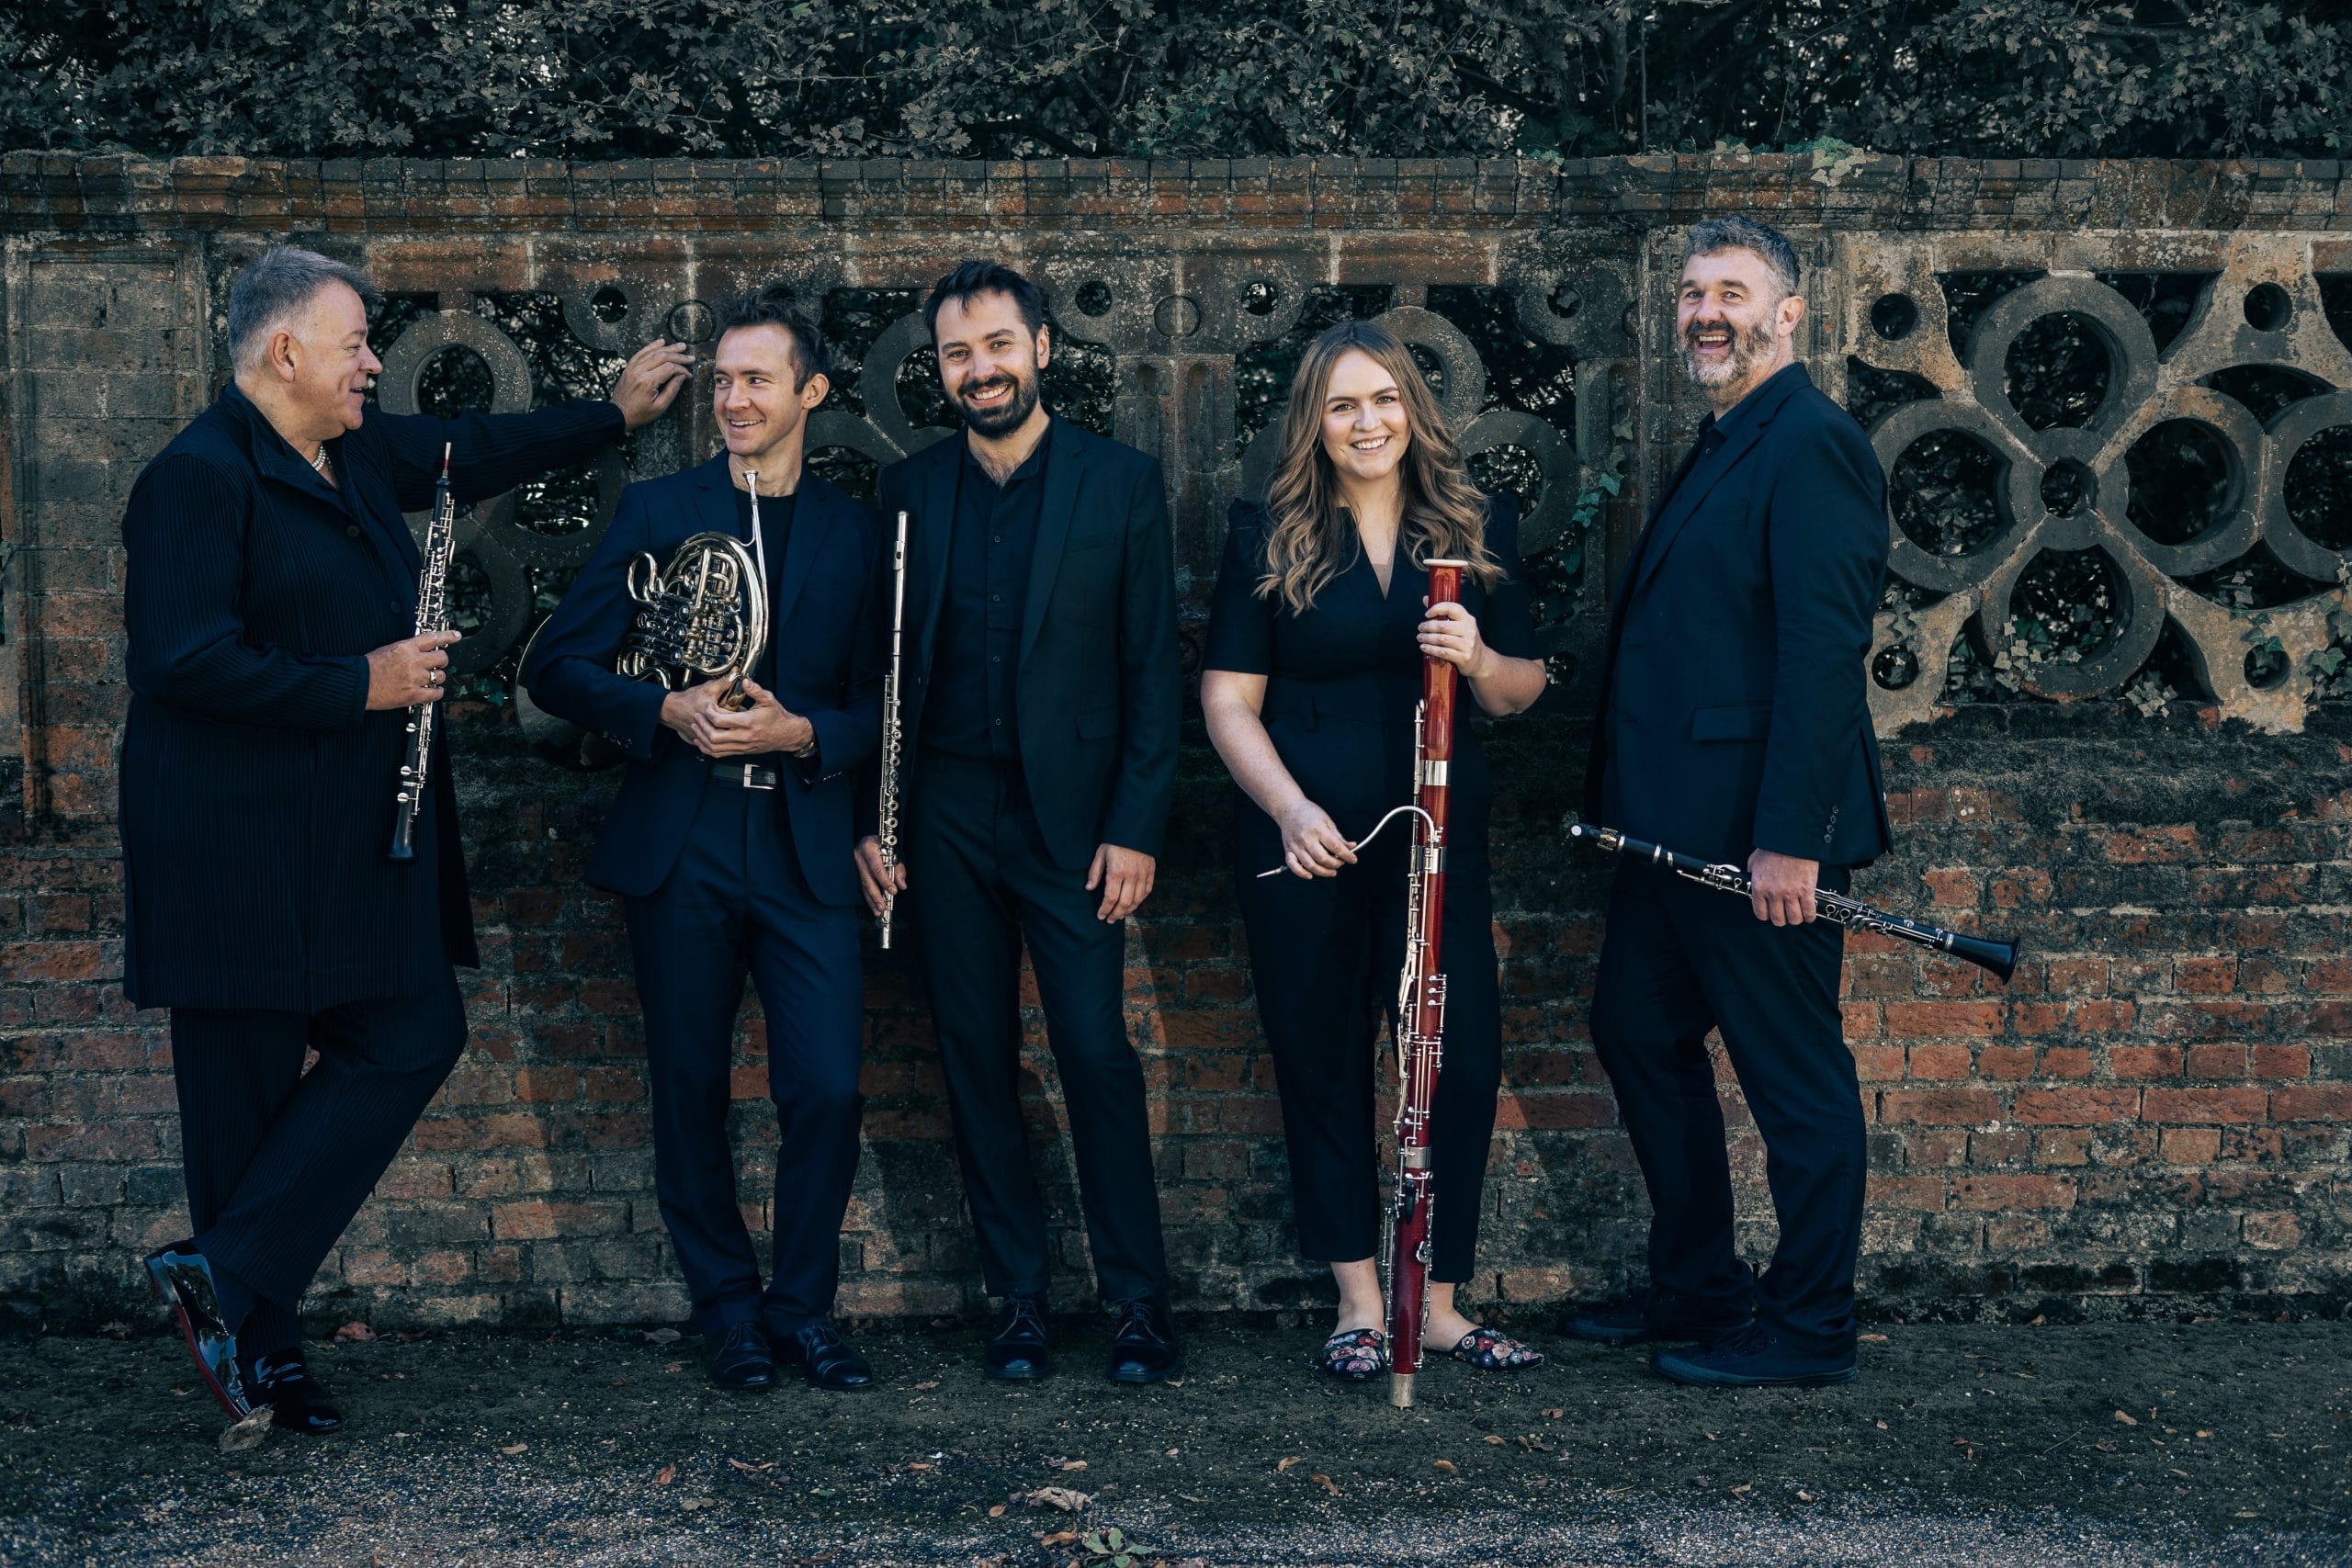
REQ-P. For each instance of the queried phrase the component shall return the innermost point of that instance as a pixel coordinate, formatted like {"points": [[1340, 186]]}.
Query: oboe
{"points": [[2000, 958], [888, 821], [1420, 1008], [432, 615]]}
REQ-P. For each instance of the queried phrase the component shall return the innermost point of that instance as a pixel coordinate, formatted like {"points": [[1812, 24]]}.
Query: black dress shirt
{"points": [[970, 712]]}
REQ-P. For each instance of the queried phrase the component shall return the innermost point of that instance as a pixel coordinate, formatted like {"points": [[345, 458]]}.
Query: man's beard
{"points": [[1750, 348], [1006, 416]]}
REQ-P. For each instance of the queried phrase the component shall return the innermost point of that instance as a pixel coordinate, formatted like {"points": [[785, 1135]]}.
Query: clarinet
{"points": [[432, 615], [888, 822], [2000, 958], [1420, 1009]]}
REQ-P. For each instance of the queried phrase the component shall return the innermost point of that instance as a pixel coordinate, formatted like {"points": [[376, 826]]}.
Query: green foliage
{"points": [[996, 78]]}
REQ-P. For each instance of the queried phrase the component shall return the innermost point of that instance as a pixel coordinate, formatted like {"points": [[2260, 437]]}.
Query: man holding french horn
{"points": [[726, 634]]}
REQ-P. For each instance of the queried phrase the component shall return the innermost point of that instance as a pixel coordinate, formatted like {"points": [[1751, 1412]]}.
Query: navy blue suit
{"points": [[256, 807], [720, 879], [1733, 717]]}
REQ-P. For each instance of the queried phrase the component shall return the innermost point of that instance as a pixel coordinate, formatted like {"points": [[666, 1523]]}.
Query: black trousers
{"points": [[1681, 959], [980, 883], [278, 1160], [736, 902], [1324, 957]]}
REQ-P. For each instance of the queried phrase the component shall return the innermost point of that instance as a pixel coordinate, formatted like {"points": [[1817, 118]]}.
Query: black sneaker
{"points": [[297, 1401], [184, 1279], [1017, 1351]]}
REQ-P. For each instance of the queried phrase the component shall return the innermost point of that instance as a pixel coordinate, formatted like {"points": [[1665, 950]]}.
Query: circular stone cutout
{"points": [[1894, 315], [2267, 308], [2067, 487]]}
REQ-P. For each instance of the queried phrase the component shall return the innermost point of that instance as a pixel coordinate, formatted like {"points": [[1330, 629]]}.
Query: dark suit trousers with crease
{"points": [[981, 884], [1680, 960], [277, 1159], [736, 901]]}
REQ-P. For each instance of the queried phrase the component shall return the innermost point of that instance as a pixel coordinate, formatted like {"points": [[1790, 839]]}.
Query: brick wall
{"points": [[2150, 1117]]}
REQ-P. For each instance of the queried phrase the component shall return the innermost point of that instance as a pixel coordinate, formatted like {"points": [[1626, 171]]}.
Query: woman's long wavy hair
{"points": [[1313, 539]]}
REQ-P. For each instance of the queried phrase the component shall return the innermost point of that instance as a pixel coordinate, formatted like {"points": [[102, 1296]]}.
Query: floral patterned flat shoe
{"points": [[1356, 1355], [1490, 1351]]}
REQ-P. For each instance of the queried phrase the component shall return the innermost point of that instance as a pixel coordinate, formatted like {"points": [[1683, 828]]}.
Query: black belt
{"points": [[743, 775]]}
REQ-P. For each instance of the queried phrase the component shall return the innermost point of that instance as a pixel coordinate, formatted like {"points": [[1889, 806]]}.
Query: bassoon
{"points": [[1420, 1007], [2000, 958], [432, 615]]}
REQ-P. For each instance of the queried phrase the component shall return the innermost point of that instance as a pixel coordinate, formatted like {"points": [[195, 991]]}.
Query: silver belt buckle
{"points": [[749, 783]]}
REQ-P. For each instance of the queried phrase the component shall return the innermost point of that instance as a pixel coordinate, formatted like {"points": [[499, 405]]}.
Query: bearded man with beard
{"points": [[1039, 710], [1735, 726]]}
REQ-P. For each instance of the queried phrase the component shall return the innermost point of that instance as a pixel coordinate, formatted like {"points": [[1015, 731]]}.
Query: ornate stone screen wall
{"points": [[2116, 403]]}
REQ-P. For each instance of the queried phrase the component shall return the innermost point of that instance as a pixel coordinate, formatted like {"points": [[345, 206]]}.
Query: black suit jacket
{"points": [[257, 789], [1737, 645], [1099, 690], [826, 626]]}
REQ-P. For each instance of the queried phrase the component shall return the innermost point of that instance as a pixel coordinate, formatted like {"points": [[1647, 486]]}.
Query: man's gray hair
{"points": [[1737, 232], [275, 285]]}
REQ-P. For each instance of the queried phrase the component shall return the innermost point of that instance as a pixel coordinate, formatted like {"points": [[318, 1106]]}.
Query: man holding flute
{"points": [[269, 608], [1733, 725]]}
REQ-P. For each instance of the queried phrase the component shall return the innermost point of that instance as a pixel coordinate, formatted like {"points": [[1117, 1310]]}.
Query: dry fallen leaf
{"points": [[691, 1504], [1494, 1439], [663, 1336], [355, 1332], [1282, 1465], [1061, 1497], [2104, 1445], [249, 1433], [752, 1469], [665, 1476], [1872, 1338], [996, 1512], [1553, 1414], [1065, 1464], [673, 1366], [927, 1386], [1743, 1489], [2127, 1420], [513, 1448], [1059, 1537], [1879, 1424], [2204, 1431], [1446, 1466], [1804, 1496], [919, 1465], [1326, 1482]]}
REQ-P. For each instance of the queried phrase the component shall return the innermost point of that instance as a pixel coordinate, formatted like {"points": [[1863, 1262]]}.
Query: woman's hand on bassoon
{"points": [[1451, 633], [1312, 844]]}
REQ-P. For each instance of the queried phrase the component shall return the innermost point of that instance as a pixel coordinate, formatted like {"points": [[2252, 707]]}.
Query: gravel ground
{"points": [[2209, 1443]]}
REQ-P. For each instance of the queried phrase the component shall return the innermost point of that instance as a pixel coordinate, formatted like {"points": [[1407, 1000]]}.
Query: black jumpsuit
{"points": [[1342, 682]]}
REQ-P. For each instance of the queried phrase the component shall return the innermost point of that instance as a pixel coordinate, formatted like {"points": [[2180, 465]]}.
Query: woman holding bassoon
{"points": [[1317, 643]]}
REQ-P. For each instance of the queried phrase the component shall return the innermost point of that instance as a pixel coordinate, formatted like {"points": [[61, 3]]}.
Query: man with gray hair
{"points": [[270, 608], [1735, 726]]}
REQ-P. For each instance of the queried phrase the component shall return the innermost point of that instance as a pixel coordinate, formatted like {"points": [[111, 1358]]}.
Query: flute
{"points": [[887, 826], [1420, 1008]]}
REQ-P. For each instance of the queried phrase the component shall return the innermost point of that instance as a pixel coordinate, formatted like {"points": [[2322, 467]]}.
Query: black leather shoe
{"points": [[826, 1359], [1755, 1358], [1018, 1351], [1144, 1350], [184, 1279], [741, 1360], [1659, 1315], [297, 1401]]}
